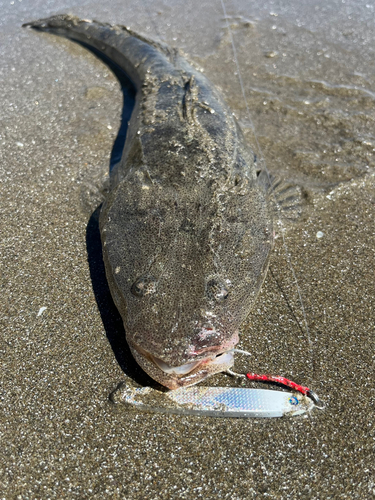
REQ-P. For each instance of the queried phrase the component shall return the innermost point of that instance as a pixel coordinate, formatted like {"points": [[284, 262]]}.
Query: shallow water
{"points": [[308, 75]]}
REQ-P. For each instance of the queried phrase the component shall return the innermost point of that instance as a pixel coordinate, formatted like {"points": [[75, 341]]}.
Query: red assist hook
{"points": [[281, 381], [288, 383]]}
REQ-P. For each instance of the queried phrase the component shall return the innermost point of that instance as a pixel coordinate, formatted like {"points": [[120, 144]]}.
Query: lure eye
{"points": [[144, 285], [217, 290]]}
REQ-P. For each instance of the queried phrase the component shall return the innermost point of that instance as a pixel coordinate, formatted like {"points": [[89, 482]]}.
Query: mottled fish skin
{"points": [[186, 228]]}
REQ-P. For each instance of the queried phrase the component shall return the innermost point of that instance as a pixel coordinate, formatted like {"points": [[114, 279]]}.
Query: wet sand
{"points": [[308, 74]]}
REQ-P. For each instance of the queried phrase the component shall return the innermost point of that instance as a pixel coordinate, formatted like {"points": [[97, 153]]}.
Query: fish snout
{"points": [[203, 357], [209, 349]]}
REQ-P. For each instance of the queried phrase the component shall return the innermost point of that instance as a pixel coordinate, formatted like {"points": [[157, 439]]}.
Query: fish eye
{"points": [[216, 290], [144, 285]]}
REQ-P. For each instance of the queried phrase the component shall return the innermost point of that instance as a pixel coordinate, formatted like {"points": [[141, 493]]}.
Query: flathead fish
{"points": [[187, 226]]}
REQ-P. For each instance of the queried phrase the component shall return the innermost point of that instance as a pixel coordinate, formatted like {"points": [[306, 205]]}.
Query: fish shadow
{"points": [[110, 316], [128, 93]]}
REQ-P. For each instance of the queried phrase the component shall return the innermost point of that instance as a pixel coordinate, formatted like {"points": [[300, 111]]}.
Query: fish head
{"points": [[182, 337], [184, 275]]}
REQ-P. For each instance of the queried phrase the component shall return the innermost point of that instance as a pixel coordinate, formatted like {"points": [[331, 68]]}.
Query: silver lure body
{"points": [[227, 402]]}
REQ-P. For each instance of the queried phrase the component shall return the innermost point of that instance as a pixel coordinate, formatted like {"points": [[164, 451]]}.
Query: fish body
{"points": [[187, 227]]}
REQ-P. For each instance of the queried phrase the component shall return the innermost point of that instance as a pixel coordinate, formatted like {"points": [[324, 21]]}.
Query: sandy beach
{"points": [[308, 76]]}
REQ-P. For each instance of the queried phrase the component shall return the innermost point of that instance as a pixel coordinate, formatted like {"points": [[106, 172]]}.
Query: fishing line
{"points": [[152, 21], [263, 164]]}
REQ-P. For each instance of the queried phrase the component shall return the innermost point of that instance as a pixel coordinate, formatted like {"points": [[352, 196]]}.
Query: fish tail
{"points": [[120, 44], [70, 26]]}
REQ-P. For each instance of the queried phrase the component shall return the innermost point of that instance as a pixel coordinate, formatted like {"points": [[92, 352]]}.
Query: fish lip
{"points": [[184, 369], [196, 365]]}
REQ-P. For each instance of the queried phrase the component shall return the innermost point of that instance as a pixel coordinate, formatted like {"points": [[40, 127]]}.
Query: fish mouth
{"points": [[185, 369], [174, 370], [184, 375]]}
